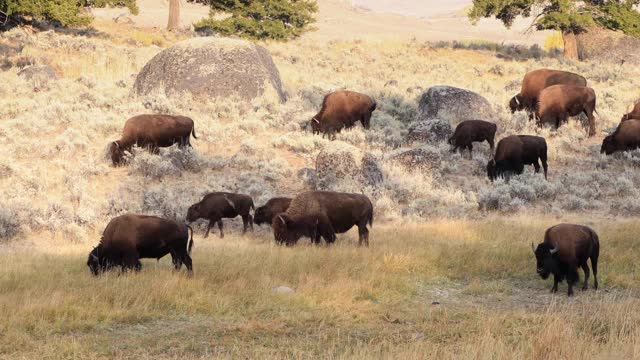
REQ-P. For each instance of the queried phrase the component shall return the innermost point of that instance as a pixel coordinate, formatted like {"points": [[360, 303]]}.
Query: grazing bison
{"points": [[218, 205], [558, 102], [516, 151], [473, 130], [634, 114], [565, 247], [316, 214], [342, 109], [152, 131], [129, 238], [626, 137], [264, 214], [536, 81]]}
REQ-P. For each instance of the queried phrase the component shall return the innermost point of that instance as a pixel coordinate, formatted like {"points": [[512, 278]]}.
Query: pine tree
{"points": [[571, 17], [60, 12], [260, 19]]}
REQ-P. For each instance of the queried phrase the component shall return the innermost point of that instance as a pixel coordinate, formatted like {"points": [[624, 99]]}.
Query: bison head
{"points": [[608, 145], [260, 216], [117, 153], [516, 103], [315, 125], [283, 230], [97, 263], [546, 259], [194, 213], [492, 173]]}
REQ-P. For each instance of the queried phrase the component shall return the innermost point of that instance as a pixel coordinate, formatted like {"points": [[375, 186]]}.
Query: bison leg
{"points": [[572, 277], [594, 265], [492, 144], [556, 280], [585, 268], [188, 263], [209, 226], [131, 262], [470, 147], [363, 234], [220, 227], [544, 165], [592, 122], [536, 166], [325, 229]]}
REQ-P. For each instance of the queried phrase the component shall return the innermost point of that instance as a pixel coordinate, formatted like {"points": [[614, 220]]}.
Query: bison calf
{"points": [[342, 109], [218, 205], [626, 137], [558, 102], [129, 238], [514, 152], [565, 248], [316, 214], [537, 80], [264, 214], [473, 130], [153, 132]]}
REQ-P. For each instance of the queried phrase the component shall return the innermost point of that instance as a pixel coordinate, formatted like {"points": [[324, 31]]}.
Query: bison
{"points": [[514, 152], [473, 130], [537, 80], [218, 205], [130, 237], [316, 214], [634, 114], [342, 109], [565, 247], [626, 137], [264, 214], [558, 102], [152, 131]]}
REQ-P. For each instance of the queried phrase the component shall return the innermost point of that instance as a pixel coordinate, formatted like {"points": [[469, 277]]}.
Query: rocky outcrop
{"points": [[453, 105], [609, 46], [211, 68], [431, 130]]}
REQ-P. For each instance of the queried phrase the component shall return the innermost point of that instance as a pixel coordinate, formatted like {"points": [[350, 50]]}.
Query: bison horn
{"points": [[554, 250], [282, 219], [94, 257], [316, 120], [517, 101], [533, 248]]}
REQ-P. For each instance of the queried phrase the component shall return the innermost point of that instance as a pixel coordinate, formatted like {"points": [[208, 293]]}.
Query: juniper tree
{"points": [[60, 12]]}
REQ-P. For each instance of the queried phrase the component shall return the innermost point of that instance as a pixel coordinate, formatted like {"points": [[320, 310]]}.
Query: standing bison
{"points": [[218, 205], [316, 214], [558, 102], [565, 248], [634, 114], [265, 213], [342, 109], [516, 151], [473, 130], [626, 137], [153, 132], [536, 81], [129, 238]]}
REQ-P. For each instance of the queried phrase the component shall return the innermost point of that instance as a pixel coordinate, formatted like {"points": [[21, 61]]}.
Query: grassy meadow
{"points": [[449, 273]]}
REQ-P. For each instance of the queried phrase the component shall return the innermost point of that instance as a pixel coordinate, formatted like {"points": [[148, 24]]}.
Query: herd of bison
{"points": [[549, 96]]}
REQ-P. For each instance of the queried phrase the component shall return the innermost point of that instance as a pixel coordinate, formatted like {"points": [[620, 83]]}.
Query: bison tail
{"points": [[193, 132], [450, 141], [374, 106], [371, 219], [190, 246]]}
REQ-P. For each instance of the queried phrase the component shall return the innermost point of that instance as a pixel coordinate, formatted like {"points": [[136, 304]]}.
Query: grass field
{"points": [[444, 289]]}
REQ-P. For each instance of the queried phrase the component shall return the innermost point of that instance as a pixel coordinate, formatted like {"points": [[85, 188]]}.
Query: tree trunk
{"points": [[570, 45], [174, 15]]}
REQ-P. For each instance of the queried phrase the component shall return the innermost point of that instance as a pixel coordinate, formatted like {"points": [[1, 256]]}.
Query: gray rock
{"points": [[336, 162], [453, 105], [619, 48], [210, 68], [371, 173], [424, 159], [283, 290], [309, 178], [42, 74], [430, 130]]}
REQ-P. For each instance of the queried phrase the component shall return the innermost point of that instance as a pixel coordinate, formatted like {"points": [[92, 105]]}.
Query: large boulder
{"points": [[208, 67], [41, 74], [607, 45], [453, 105], [431, 130], [343, 167], [426, 159]]}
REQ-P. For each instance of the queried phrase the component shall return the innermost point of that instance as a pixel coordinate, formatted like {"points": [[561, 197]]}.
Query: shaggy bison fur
{"points": [[473, 130], [218, 205], [342, 109], [265, 213], [514, 152], [626, 137], [558, 102], [537, 80]]}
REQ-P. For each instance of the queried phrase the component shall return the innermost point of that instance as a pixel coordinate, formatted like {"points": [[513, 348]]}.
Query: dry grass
{"points": [[59, 192], [443, 289]]}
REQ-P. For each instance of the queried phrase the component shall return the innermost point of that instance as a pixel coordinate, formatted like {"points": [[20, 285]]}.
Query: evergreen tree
{"points": [[260, 19], [60, 12], [568, 16]]}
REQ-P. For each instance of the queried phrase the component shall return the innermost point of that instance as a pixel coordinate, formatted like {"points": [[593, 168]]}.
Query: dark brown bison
{"points": [[129, 238], [537, 80], [626, 137], [342, 109], [218, 205], [473, 130], [565, 247], [516, 151], [316, 214], [558, 102], [634, 114], [264, 214], [152, 131]]}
